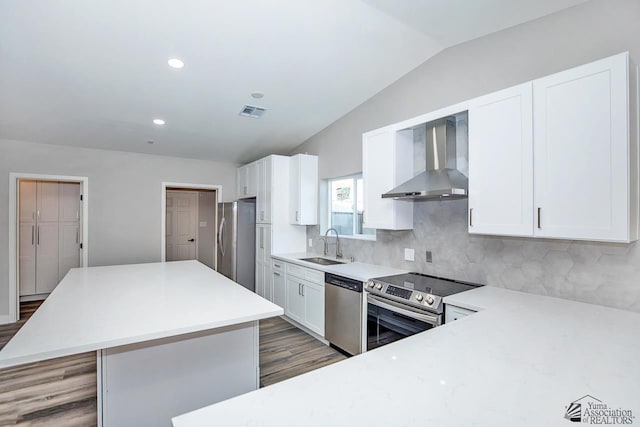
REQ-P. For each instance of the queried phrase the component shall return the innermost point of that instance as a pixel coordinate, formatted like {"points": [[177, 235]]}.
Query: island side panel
{"points": [[146, 384]]}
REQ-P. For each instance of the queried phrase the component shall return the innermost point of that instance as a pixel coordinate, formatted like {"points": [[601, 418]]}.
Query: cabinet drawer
{"points": [[277, 265], [453, 313], [311, 275]]}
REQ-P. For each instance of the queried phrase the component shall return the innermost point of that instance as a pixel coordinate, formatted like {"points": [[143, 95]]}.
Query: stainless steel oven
{"points": [[406, 304], [389, 321]]}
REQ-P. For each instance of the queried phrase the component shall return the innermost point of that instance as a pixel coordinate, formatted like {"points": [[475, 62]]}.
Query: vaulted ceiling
{"points": [[94, 73]]}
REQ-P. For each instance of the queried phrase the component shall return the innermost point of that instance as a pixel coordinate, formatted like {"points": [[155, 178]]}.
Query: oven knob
{"points": [[430, 300], [379, 286], [370, 284], [419, 297]]}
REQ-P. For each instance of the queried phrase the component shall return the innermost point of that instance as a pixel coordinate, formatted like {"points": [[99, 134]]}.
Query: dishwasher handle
{"points": [[343, 282]]}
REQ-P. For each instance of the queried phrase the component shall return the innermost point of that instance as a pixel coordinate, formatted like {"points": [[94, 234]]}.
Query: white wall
{"points": [[599, 273], [124, 191], [571, 37]]}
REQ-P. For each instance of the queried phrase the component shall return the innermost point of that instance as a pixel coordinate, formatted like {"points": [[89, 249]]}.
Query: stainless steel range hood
{"points": [[441, 179]]}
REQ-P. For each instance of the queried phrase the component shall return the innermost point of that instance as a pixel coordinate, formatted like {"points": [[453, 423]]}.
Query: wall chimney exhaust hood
{"points": [[441, 179]]}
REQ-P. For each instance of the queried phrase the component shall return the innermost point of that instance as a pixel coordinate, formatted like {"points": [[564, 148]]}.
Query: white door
{"points": [[386, 162], [314, 307], [26, 237], [46, 256], [181, 225], [260, 283], [27, 258], [278, 286], [47, 235], [501, 163], [581, 143], [252, 179], [295, 301], [263, 197], [28, 204], [69, 227]]}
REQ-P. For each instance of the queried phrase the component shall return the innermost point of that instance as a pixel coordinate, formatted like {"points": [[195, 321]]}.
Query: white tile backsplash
{"points": [[592, 272]]}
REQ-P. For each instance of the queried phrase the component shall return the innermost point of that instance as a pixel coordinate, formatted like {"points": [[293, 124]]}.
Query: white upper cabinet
{"points": [[247, 177], [303, 201], [264, 196], [585, 167], [501, 163], [387, 161]]}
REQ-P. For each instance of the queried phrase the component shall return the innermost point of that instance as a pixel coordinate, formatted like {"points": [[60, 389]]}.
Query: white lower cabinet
{"points": [[453, 312], [295, 301], [313, 307], [278, 285], [303, 292]]}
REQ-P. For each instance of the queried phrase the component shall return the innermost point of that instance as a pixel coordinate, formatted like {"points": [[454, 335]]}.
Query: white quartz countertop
{"points": [[354, 270], [518, 362], [101, 307]]}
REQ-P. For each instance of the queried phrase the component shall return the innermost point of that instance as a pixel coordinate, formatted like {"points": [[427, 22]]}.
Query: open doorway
{"points": [[190, 223], [48, 233]]}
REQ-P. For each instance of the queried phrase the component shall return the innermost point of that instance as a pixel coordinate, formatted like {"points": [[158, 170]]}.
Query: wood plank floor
{"points": [[286, 352], [62, 391]]}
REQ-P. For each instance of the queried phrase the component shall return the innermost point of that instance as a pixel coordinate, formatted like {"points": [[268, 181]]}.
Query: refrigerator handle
{"points": [[220, 236]]}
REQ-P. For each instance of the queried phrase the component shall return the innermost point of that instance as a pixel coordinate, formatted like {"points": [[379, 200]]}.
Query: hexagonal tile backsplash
{"points": [[599, 273]]}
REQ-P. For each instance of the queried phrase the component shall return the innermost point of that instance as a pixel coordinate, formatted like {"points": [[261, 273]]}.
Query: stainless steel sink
{"points": [[321, 261]]}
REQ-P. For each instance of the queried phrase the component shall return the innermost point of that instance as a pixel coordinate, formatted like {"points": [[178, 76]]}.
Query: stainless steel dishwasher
{"points": [[343, 313]]}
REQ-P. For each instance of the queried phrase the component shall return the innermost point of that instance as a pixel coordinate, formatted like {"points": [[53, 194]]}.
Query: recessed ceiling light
{"points": [[257, 95], [158, 121], [175, 63]]}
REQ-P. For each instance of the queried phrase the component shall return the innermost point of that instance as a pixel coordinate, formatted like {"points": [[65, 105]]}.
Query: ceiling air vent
{"points": [[252, 111]]}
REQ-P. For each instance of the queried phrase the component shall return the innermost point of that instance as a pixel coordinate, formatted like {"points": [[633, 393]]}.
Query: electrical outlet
{"points": [[310, 243], [409, 254], [429, 257]]}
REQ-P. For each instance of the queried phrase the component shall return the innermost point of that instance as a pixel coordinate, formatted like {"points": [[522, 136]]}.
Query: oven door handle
{"points": [[433, 320]]}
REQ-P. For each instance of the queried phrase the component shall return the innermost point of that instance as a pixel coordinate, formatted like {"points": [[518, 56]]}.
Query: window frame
{"points": [[327, 194]]}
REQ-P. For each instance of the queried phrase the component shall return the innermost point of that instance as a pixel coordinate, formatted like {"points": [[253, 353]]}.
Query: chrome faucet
{"points": [[326, 243]]}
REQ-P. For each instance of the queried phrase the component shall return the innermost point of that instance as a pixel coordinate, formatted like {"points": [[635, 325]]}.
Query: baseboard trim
{"points": [[5, 319], [35, 297]]}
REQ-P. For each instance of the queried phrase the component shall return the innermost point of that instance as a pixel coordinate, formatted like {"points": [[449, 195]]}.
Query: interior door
{"points": [[181, 226]]}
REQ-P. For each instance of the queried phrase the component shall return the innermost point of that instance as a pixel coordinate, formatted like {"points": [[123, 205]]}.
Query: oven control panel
{"points": [[419, 299], [399, 292]]}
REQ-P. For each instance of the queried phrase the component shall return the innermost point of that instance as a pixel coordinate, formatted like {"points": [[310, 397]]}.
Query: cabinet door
{"points": [[27, 235], [47, 201], [263, 196], [68, 247], [28, 205], [295, 301], [278, 288], [501, 163], [313, 307], [260, 286], [581, 152], [242, 182], [252, 179], [294, 190], [387, 161], [266, 189], [263, 243], [69, 203], [47, 256], [308, 187]]}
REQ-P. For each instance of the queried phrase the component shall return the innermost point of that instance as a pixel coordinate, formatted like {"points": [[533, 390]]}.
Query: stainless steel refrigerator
{"points": [[237, 242]]}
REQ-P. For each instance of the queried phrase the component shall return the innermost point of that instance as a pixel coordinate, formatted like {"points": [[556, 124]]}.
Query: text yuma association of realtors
{"points": [[600, 413]]}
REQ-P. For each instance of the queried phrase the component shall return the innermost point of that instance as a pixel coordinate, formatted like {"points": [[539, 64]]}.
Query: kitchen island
{"points": [[521, 360], [170, 337]]}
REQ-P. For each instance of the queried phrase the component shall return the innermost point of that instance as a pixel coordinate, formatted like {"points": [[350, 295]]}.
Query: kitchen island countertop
{"points": [[521, 360]]}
